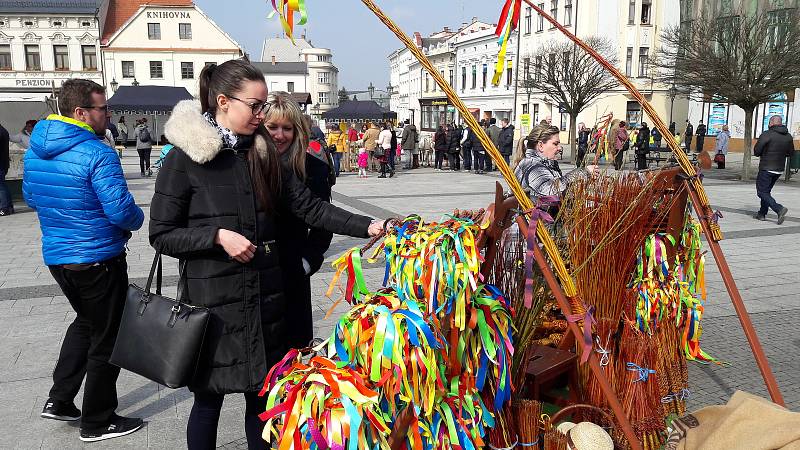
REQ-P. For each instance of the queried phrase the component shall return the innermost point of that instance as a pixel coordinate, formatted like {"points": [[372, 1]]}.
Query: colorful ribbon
{"points": [[643, 372], [588, 320], [286, 10], [509, 20]]}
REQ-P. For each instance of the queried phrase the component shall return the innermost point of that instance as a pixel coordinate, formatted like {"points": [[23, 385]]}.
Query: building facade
{"points": [[632, 26], [400, 82], [322, 76], [476, 56], [45, 42], [718, 113], [161, 43]]}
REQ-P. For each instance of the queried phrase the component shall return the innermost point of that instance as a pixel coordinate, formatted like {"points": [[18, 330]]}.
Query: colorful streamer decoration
{"points": [[286, 10], [509, 21]]}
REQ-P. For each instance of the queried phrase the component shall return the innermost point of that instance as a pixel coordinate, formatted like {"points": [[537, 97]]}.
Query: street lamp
{"points": [[114, 85], [673, 92], [135, 83]]}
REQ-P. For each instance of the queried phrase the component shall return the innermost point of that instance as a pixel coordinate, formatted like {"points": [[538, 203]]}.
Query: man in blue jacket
{"points": [[75, 183]]}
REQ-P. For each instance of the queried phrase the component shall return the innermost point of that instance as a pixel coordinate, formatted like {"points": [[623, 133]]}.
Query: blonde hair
{"points": [[540, 133], [282, 107]]}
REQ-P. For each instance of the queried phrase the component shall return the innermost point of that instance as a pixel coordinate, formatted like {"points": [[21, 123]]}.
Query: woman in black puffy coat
{"points": [[440, 147], [214, 207]]}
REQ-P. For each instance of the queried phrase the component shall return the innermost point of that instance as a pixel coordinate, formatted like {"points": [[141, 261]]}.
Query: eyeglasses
{"points": [[100, 107], [256, 108]]}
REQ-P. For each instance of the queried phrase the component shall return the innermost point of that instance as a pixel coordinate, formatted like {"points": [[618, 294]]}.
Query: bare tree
{"points": [[744, 59], [565, 75]]}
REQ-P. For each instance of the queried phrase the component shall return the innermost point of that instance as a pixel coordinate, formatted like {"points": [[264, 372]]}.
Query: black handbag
{"points": [[160, 338]]}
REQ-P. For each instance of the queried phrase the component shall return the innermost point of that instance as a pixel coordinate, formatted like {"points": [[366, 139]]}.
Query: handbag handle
{"points": [[156, 269]]}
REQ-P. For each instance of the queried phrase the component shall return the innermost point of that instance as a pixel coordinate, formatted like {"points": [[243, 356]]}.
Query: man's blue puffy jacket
{"points": [[75, 183]]}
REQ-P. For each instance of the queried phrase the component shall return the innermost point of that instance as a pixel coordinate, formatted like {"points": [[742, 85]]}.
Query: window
{"points": [[779, 21], [554, 11], [631, 12], [567, 58], [463, 78], [644, 60], [436, 86], [485, 73], [290, 86], [452, 78], [686, 8], [58, 23], [567, 13], [474, 76], [187, 70], [646, 6], [538, 75], [32, 61], [427, 82], [509, 73], [185, 31], [528, 20], [564, 121], [526, 69], [540, 19], [629, 62], [324, 98], [726, 7], [153, 31], [89, 57], [208, 63], [86, 24], [5, 57], [61, 57], [156, 69], [525, 107], [128, 69], [324, 77], [633, 115], [536, 114]]}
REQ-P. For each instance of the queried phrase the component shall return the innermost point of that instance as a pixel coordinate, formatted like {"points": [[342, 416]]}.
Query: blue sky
{"points": [[359, 41]]}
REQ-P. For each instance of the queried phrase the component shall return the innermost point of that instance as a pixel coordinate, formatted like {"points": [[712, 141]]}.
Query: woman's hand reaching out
{"points": [[235, 245]]}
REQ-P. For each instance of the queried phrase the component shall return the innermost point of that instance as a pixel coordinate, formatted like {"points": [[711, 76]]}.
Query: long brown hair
{"points": [[281, 106], [227, 79]]}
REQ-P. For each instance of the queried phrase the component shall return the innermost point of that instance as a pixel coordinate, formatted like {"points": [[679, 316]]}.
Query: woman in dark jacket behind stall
{"points": [[214, 208], [301, 249]]}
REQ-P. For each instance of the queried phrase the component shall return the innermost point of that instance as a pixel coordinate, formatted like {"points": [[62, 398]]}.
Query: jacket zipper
{"points": [[250, 381]]}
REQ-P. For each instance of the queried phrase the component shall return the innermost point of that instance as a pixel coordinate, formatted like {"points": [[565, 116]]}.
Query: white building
{"points": [[43, 43], [476, 55], [322, 76], [161, 43], [399, 100], [632, 26]]}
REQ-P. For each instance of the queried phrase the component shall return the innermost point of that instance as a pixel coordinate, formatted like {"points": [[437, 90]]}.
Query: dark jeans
{"points": [[337, 162], [477, 160], [390, 158], [452, 159], [5, 194], [98, 296], [415, 161], [438, 159], [700, 141], [581, 155], [641, 160], [764, 183], [467, 159], [144, 159], [619, 159], [201, 431]]}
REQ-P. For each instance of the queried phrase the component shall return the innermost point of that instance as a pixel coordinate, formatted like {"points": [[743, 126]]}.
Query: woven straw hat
{"points": [[586, 436]]}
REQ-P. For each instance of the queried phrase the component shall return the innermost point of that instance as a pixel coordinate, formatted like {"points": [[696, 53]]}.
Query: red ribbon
{"points": [[536, 215]]}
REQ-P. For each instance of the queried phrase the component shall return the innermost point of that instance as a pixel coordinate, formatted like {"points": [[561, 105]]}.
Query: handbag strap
{"points": [[157, 271]]}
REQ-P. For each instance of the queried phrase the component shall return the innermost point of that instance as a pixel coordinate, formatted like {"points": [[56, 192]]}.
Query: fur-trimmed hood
{"points": [[189, 131]]}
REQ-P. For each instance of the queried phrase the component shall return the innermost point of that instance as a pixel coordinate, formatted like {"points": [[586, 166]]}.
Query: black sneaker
{"points": [[759, 217], [58, 410], [782, 215], [119, 426]]}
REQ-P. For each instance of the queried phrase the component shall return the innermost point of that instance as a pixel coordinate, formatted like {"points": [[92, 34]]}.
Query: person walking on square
{"points": [[621, 144], [6, 205], [338, 147], [215, 205], [440, 147], [383, 149], [454, 134], [408, 142], [642, 146], [583, 143], [75, 184], [363, 162], [721, 148], [466, 147], [123, 131], [390, 157], [144, 146], [773, 147], [655, 136], [370, 141], [478, 152], [494, 135], [701, 136], [688, 135], [507, 140]]}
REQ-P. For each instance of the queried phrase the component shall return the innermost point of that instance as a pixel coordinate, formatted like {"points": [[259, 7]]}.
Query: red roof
{"points": [[119, 11]]}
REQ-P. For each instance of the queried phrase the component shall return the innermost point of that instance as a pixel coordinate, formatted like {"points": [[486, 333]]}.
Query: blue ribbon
{"points": [[644, 372]]}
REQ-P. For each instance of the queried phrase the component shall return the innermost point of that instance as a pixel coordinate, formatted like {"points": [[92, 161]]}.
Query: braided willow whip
{"points": [[525, 202], [704, 210]]}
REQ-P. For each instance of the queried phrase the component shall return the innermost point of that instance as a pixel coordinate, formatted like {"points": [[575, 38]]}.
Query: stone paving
{"points": [[34, 315]]}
